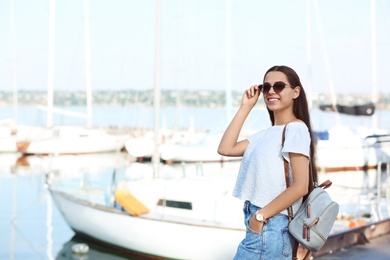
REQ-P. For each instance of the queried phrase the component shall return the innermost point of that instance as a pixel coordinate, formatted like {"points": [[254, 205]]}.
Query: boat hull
{"points": [[147, 235], [71, 146], [193, 153]]}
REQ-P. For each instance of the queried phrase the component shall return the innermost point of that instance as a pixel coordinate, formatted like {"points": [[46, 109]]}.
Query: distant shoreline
{"points": [[169, 98]]}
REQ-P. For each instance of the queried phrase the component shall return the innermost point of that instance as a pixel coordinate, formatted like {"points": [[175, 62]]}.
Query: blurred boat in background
{"points": [[343, 149], [201, 147], [71, 140], [366, 109], [7, 140], [141, 148], [70, 165]]}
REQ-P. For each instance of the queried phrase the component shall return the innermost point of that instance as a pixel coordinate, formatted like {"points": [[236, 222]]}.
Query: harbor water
{"points": [[199, 119]]}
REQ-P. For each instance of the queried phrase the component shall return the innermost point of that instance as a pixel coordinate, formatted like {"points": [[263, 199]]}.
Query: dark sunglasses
{"points": [[278, 87]]}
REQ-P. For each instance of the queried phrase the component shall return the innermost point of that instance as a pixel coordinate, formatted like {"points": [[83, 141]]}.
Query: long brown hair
{"points": [[300, 110]]}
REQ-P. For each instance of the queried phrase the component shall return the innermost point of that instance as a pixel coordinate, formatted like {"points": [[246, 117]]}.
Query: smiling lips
{"points": [[272, 100]]}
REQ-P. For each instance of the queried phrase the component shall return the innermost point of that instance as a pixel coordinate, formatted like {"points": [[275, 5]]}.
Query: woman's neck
{"points": [[282, 119]]}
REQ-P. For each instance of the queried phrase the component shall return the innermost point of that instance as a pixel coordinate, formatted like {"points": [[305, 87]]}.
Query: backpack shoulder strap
{"points": [[326, 184], [289, 209], [287, 174]]}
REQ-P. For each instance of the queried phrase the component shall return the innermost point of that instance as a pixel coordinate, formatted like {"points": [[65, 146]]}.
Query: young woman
{"points": [[261, 180]]}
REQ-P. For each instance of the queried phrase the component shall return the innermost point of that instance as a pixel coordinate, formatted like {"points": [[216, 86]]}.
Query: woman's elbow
{"points": [[227, 151], [303, 190], [222, 151], [300, 189]]}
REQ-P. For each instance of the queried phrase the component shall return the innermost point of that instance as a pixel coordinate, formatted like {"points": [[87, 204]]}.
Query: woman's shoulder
{"points": [[297, 127], [297, 124]]}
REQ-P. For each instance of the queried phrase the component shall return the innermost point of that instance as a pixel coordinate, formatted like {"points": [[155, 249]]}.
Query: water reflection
{"points": [[94, 252], [31, 226]]}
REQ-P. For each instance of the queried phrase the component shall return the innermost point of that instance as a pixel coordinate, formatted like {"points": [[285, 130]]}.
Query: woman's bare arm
{"points": [[298, 189], [229, 145]]}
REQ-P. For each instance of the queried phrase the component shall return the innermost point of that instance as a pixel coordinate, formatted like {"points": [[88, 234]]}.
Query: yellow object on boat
{"points": [[357, 223], [130, 203]]}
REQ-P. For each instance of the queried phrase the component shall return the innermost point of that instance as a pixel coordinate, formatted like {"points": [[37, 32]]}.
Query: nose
{"points": [[271, 90]]}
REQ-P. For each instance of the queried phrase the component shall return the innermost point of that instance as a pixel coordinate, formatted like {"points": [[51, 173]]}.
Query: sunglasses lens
{"points": [[279, 86], [266, 87]]}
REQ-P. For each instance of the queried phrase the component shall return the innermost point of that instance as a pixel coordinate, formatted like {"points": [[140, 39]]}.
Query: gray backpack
{"points": [[314, 219]]}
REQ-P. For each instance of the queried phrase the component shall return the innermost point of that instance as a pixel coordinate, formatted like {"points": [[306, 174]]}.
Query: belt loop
{"points": [[246, 206], [249, 207]]}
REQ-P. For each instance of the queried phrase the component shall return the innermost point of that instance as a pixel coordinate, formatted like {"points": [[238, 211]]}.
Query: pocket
{"points": [[253, 231], [288, 242], [253, 241], [249, 211]]}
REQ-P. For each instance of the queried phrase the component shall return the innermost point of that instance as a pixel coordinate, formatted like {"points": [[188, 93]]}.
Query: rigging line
{"points": [[326, 59], [74, 60], [30, 243], [36, 201]]}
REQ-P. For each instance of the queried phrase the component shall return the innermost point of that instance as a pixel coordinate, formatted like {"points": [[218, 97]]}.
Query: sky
{"points": [[329, 44]]}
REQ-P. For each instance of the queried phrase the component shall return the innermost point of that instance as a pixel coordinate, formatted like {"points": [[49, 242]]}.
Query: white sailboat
{"points": [[7, 139], [183, 222], [185, 213], [67, 139], [141, 148]]}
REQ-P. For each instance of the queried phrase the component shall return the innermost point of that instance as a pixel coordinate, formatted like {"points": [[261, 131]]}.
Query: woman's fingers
{"points": [[252, 91]]}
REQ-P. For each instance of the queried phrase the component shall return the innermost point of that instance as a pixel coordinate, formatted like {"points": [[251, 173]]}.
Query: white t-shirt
{"points": [[261, 175]]}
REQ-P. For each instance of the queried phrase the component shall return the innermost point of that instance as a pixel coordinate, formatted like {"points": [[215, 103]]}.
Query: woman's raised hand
{"points": [[250, 96]]}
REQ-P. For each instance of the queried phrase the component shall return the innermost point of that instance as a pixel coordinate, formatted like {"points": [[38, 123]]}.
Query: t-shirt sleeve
{"points": [[297, 140], [254, 136]]}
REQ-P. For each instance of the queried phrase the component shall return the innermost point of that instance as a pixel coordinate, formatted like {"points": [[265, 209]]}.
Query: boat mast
{"points": [[88, 64], [13, 58], [228, 98], [50, 80], [373, 60], [156, 103]]}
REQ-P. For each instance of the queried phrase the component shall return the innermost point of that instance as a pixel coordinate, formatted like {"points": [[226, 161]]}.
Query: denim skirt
{"points": [[272, 243]]}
